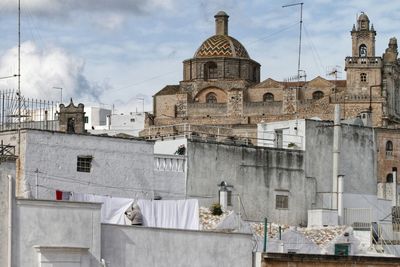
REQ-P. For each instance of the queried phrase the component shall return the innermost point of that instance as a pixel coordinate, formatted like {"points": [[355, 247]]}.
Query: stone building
{"points": [[72, 118], [221, 87]]}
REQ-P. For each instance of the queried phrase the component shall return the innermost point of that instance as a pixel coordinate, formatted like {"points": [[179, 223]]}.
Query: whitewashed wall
{"points": [[66, 231]]}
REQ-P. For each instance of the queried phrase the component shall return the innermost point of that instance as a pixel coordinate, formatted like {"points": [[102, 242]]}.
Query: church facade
{"points": [[221, 87]]}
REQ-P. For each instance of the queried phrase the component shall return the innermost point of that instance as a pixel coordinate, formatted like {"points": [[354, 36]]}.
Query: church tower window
{"points": [[210, 71], [389, 178], [389, 148], [317, 95], [211, 98], [268, 97], [363, 77], [363, 50]]}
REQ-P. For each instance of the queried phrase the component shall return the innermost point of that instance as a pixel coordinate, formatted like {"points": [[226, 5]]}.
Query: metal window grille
{"points": [[281, 202], [84, 163]]}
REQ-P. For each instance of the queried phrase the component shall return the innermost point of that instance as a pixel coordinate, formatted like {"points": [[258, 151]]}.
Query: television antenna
{"points": [[334, 71]]}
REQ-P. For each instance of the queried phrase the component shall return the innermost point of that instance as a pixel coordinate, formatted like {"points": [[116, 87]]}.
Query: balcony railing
{"points": [[368, 61]]}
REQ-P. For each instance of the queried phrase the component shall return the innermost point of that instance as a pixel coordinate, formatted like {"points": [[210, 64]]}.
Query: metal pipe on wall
{"points": [[336, 153], [340, 199], [394, 189]]}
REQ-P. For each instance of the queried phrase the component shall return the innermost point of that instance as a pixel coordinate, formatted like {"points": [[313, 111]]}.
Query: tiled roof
{"points": [[168, 90], [221, 46]]}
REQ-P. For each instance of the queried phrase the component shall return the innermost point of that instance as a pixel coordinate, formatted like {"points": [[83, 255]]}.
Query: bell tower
{"points": [[363, 38], [363, 67]]}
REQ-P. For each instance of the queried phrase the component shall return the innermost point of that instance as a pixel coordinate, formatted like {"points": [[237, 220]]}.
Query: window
{"points": [[268, 97], [389, 178], [84, 163], [389, 148], [211, 98], [363, 77], [317, 95], [132, 120], [210, 71], [281, 202], [363, 50], [86, 119]]}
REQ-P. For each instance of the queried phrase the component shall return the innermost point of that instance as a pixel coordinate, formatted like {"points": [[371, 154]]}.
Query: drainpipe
{"points": [[340, 199], [335, 162], [394, 190], [10, 220]]}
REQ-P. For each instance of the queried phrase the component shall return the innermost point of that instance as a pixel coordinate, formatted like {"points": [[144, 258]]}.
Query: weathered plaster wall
{"points": [[6, 168], [357, 158], [126, 246], [120, 167], [257, 174]]}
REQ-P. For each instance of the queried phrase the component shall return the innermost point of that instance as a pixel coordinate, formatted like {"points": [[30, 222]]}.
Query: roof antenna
{"points": [[301, 26]]}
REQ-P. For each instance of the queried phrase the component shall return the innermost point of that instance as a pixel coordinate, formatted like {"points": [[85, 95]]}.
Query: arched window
{"points": [[268, 97], [389, 178], [317, 95], [211, 98], [210, 71], [363, 50], [389, 148], [363, 77]]}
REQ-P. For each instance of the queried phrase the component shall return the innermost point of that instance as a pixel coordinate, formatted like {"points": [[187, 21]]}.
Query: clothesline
{"points": [[180, 214]]}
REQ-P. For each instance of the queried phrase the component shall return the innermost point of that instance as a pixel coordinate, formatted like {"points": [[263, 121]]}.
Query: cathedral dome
{"points": [[221, 46]]}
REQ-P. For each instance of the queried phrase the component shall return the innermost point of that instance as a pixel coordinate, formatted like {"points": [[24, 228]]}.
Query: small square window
{"points": [[132, 120], [84, 163], [281, 202]]}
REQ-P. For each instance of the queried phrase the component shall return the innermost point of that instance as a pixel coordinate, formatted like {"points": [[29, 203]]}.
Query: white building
{"points": [[103, 121], [282, 134]]}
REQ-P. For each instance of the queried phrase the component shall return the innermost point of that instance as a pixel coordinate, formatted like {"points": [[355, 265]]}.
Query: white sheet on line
{"points": [[179, 214], [113, 208]]}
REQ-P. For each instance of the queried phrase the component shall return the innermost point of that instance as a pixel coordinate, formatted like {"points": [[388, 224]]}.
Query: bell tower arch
{"points": [[363, 38]]}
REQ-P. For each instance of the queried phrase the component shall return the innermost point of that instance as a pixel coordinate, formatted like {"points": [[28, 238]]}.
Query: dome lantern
{"points": [[221, 23]]}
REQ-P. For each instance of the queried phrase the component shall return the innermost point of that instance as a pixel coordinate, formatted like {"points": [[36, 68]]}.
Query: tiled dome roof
{"points": [[221, 46]]}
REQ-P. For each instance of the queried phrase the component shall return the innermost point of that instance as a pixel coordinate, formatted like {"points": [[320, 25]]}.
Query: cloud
{"points": [[43, 69], [62, 7]]}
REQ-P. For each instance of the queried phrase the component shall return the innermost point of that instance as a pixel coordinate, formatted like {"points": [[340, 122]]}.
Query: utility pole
{"points": [[301, 26], [19, 183]]}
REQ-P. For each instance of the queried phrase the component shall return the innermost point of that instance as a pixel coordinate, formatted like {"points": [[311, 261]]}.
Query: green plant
{"points": [[292, 145], [216, 209]]}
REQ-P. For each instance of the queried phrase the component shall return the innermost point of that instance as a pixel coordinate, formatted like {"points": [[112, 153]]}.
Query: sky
{"points": [[121, 52]]}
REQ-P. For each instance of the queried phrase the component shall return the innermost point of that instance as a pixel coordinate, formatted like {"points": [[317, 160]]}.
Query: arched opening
{"points": [[389, 178], [268, 97], [211, 98], [317, 95], [363, 50], [210, 70], [389, 148], [363, 77]]}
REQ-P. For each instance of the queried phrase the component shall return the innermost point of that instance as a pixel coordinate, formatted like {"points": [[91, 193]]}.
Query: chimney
{"points": [[221, 23]]}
